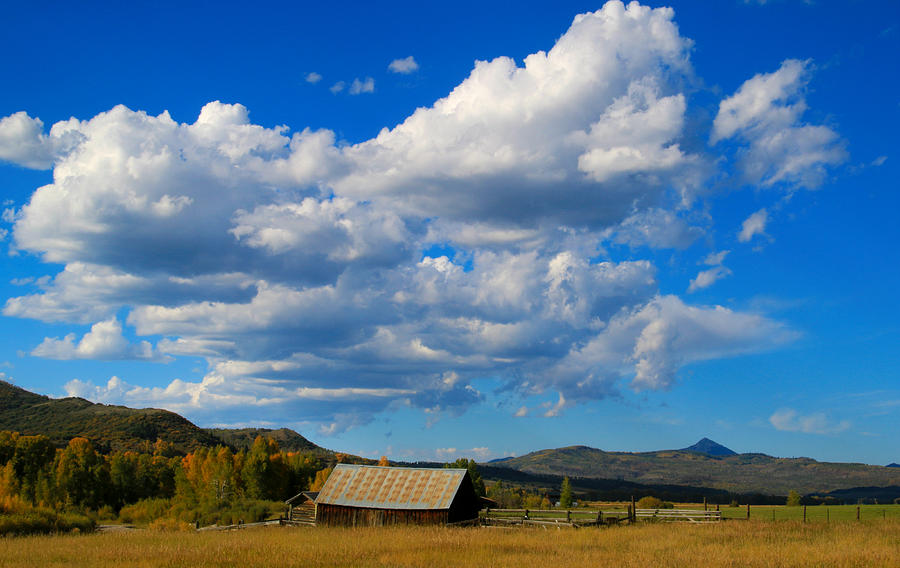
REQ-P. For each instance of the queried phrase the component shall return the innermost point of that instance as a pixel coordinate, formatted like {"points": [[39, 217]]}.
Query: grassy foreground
{"points": [[726, 544]]}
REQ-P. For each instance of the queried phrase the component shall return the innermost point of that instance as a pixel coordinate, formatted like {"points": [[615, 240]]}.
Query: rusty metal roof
{"points": [[377, 487]]}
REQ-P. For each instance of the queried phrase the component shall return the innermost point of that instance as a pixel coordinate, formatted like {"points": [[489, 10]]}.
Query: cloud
{"points": [[789, 420], [706, 278], [312, 77], [651, 343], [554, 410], [23, 142], [569, 138], [304, 270], [404, 66], [367, 85], [656, 228], [753, 225], [337, 87], [104, 341], [766, 112]]}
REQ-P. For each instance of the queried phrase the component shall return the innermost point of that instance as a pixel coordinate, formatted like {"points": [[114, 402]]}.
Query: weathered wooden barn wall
{"points": [[339, 515]]}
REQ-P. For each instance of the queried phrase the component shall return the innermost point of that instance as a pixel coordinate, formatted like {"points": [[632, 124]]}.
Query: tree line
{"points": [[192, 487]]}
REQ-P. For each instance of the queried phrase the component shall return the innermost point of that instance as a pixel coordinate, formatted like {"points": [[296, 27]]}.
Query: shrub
{"points": [[649, 502], [39, 520], [145, 511]]}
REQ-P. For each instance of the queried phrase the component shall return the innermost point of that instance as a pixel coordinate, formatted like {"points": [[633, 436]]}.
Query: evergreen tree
{"points": [[474, 474]]}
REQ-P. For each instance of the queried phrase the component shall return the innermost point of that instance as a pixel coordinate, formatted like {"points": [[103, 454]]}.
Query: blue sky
{"points": [[474, 231]]}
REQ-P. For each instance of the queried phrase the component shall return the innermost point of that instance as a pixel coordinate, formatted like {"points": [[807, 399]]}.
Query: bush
{"points": [[650, 502], [43, 521], [145, 511]]}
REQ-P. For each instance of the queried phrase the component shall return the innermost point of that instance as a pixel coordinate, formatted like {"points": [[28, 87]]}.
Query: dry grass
{"points": [[726, 544]]}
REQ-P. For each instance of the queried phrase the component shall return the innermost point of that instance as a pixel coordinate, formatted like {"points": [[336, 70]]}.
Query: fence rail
{"points": [[679, 515], [582, 518], [543, 517]]}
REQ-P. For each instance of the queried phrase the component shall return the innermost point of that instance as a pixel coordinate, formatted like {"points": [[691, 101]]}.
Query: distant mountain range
{"points": [[705, 464], [705, 469]]}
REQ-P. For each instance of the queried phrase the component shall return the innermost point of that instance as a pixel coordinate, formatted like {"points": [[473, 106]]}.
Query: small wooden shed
{"points": [[302, 507], [363, 495]]}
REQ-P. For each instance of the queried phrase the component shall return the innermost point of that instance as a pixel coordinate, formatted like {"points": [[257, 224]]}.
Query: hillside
{"points": [[739, 473], [109, 427], [113, 428], [242, 439]]}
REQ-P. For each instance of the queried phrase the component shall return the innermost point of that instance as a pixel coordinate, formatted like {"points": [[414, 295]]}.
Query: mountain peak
{"points": [[711, 448]]}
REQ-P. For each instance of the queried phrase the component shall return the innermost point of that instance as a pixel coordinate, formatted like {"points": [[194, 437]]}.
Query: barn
{"points": [[364, 495]]}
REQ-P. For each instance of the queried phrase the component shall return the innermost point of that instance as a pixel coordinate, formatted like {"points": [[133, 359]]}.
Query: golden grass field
{"points": [[733, 543]]}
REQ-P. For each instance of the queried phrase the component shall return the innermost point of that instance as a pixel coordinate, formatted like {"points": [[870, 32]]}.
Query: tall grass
{"points": [[753, 543]]}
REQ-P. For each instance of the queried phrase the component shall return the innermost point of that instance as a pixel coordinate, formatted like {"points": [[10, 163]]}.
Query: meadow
{"points": [[731, 543]]}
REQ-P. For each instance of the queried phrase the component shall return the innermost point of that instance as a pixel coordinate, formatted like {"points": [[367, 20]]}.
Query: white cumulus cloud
{"points": [[766, 111], [103, 341]]}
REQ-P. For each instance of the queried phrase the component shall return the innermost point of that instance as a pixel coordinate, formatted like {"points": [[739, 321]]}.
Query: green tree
{"points": [[474, 474], [82, 475], [31, 461], [793, 499], [264, 472], [565, 494]]}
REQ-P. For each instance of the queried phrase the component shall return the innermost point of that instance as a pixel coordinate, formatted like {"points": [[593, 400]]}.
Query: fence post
{"points": [[526, 514], [748, 511], [599, 517], [804, 513], [568, 516], [704, 504], [633, 510], [827, 515], [857, 512]]}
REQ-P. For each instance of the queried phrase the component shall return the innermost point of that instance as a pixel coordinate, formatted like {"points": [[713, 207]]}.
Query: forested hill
{"points": [[739, 473], [108, 427], [242, 439]]}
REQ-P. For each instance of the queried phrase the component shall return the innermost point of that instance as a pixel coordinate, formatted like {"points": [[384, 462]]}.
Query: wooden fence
{"points": [[679, 515], [556, 518], [584, 518]]}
